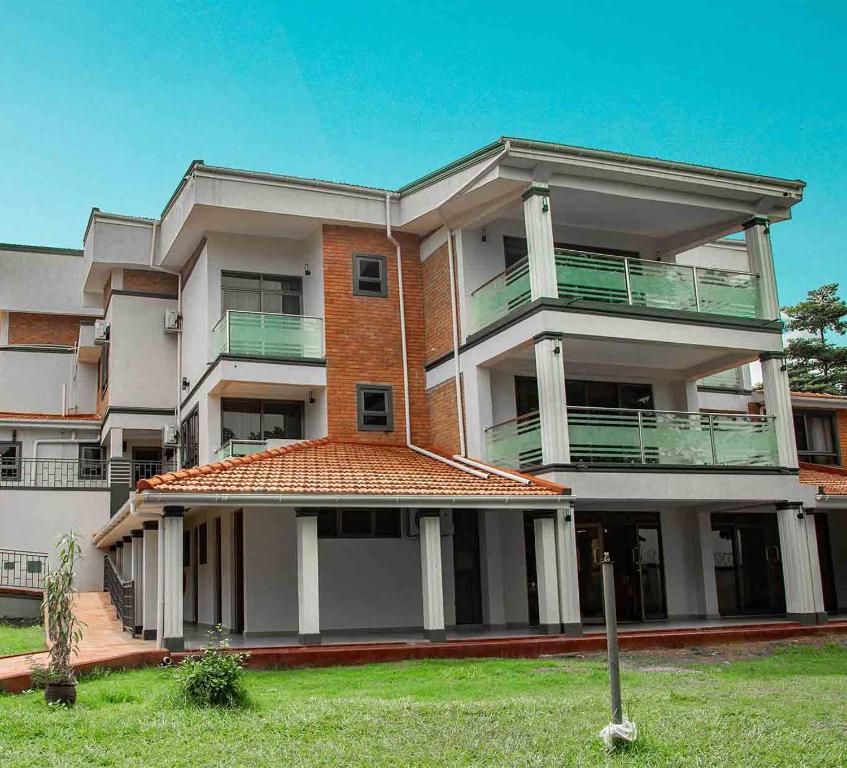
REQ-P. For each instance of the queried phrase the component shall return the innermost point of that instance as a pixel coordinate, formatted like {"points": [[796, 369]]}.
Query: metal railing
{"points": [[631, 436], [583, 275], [144, 470], [52, 473], [121, 592], [267, 334], [19, 568]]}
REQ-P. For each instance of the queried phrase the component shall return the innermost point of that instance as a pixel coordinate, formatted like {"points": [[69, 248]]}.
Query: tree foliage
{"points": [[63, 628], [814, 363]]}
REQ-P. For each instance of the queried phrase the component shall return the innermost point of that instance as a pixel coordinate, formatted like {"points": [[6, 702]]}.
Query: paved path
{"points": [[103, 639]]}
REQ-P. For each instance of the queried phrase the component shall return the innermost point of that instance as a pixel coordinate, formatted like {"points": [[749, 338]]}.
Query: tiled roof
{"points": [[832, 479], [819, 394], [344, 468], [12, 416]]}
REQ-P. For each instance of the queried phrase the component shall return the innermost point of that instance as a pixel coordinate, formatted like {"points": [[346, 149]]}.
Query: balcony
{"points": [[52, 473], [623, 436], [268, 335], [238, 447], [585, 276]]}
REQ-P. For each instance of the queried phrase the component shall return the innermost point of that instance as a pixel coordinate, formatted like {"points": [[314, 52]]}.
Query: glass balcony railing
{"points": [[239, 448], [636, 282], [264, 334], [623, 436], [500, 295]]}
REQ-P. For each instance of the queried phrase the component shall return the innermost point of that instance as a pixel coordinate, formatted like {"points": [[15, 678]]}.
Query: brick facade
{"points": [[443, 418], [438, 313], [38, 328], [148, 281], [363, 343]]}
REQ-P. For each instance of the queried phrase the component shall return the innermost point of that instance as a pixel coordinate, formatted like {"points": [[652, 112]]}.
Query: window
{"points": [[515, 250], [277, 294], [359, 523], [103, 369], [608, 394], [369, 275], [91, 464], [189, 438], [10, 460], [202, 544], [815, 433], [261, 420], [375, 409]]}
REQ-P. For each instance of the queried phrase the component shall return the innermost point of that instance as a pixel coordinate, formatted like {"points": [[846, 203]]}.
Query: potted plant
{"points": [[64, 630]]}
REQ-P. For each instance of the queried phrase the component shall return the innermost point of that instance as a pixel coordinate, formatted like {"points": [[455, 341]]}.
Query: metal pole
{"points": [[612, 638]]}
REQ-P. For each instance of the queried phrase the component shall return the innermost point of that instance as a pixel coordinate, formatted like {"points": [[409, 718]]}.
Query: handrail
{"points": [[517, 265], [122, 593], [272, 314], [514, 418], [565, 251]]}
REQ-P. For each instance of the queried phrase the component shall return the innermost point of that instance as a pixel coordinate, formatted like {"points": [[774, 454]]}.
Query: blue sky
{"points": [[105, 104]]}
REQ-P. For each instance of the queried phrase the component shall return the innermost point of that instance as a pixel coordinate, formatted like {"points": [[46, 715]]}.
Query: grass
{"points": [[784, 710], [21, 638]]}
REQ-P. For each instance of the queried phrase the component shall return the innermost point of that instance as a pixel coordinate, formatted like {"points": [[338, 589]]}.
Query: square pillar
{"points": [[757, 236], [149, 577], [479, 411], [552, 401], [119, 557], [546, 572], [170, 586], [308, 593], [429, 521], [707, 564], [539, 241], [138, 579], [567, 570], [800, 564], [778, 404]]}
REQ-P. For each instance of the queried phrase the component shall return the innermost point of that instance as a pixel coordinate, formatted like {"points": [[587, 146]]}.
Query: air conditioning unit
{"points": [[101, 332], [173, 321], [170, 435], [413, 530]]}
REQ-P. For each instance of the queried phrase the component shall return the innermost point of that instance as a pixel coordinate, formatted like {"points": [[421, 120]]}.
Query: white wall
{"points": [[33, 520], [41, 282], [31, 382], [28, 436], [683, 571], [196, 328], [723, 254]]}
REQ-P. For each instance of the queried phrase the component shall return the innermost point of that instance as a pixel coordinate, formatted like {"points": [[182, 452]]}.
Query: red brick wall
{"points": [[37, 328], [443, 419], [148, 281], [438, 313], [363, 334]]}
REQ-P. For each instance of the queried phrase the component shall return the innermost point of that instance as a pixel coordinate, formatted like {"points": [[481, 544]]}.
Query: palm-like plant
{"points": [[64, 629]]}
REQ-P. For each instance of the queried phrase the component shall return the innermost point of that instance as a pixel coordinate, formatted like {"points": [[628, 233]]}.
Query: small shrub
{"points": [[214, 678]]}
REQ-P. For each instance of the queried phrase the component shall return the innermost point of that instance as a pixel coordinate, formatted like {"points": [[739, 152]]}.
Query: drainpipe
{"points": [[406, 409]]}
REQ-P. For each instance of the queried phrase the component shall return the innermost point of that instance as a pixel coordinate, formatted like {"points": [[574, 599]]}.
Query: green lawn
{"points": [[20, 639], [787, 710]]}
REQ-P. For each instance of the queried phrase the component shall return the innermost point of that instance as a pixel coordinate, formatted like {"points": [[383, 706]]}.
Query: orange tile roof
{"points": [[334, 467], [12, 416], [832, 479], [819, 394]]}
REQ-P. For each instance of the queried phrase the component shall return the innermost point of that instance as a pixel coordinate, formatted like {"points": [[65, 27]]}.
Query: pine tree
{"points": [[815, 364]]}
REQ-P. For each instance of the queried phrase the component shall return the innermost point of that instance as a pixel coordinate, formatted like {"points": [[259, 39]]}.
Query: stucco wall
{"points": [[31, 382], [683, 571]]}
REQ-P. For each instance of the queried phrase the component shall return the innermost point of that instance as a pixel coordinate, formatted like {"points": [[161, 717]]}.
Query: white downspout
{"points": [[406, 408]]}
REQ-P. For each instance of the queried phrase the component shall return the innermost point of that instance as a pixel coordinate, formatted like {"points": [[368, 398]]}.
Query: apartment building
{"points": [[313, 409]]}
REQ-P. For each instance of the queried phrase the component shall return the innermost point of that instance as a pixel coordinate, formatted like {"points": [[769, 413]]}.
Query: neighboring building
{"points": [[313, 384]]}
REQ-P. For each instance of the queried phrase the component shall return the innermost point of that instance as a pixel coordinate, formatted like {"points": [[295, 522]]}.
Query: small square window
{"points": [[369, 275], [375, 409], [91, 463]]}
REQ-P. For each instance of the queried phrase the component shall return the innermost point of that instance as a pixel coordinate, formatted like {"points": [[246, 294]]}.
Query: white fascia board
{"points": [[51, 424]]}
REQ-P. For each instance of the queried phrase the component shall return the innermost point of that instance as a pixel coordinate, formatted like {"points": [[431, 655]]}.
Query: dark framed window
{"points": [[186, 549], [202, 544], [243, 419], [249, 292], [103, 369], [91, 463], [515, 249], [609, 394], [369, 275], [375, 408], [355, 523], [817, 437], [189, 439], [10, 460]]}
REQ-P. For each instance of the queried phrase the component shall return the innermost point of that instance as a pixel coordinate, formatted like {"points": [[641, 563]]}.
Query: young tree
{"points": [[815, 364]]}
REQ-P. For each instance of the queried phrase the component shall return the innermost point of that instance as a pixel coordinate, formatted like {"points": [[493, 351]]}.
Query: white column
{"points": [[800, 570], [546, 573], [567, 570], [552, 403], [308, 594], [778, 404], [149, 578], [138, 579], [170, 587], [479, 411], [707, 564], [757, 235], [539, 239], [429, 521]]}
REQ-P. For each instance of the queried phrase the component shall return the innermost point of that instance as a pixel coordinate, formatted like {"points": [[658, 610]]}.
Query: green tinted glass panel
{"points": [[515, 444], [257, 334], [508, 291], [749, 440], [729, 293]]}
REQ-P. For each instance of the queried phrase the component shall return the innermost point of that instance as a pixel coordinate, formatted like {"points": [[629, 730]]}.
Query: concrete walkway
{"points": [[103, 641]]}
